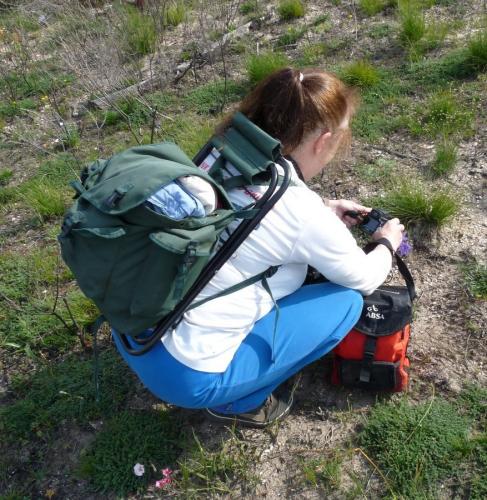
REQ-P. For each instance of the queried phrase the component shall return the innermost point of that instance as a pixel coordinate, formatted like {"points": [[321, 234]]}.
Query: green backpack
{"points": [[143, 269]]}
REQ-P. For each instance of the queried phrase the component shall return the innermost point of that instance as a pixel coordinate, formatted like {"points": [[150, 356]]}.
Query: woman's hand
{"points": [[342, 206], [392, 230]]}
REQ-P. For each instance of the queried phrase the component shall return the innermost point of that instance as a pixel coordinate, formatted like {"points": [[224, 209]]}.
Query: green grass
{"points": [[65, 392], [212, 97], [360, 74], [312, 54], [290, 37], [259, 66], [70, 137], [378, 172], [445, 159], [324, 473], [421, 208], [249, 7], [175, 13], [11, 108], [209, 472], [380, 31], [475, 276], [28, 285], [372, 7], [140, 32], [5, 176], [290, 9], [477, 52], [416, 446], [45, 200], [150, 438]]}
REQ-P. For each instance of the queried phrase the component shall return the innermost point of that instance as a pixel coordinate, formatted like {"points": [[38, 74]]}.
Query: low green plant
{"points": [[290, 37], [412, 23], [290, 9], [249, 7], [175, 13], [7, 195], [70, 137], [415, 446], [149, 438], [45, 200], [443, 115], [206, 472], [11, 108], [312, 54], [320, 20], [259, 66], [372, 7], [379, 171], [212, 97], [65, 392], [445, 159], [420, 207], [380, 30], [5, 176], [360, 74], [475, 275], [139, 32], [323, 472], [477, 52]]}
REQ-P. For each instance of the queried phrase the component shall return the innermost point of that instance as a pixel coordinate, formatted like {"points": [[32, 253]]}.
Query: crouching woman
{"points": [[229, 356]]}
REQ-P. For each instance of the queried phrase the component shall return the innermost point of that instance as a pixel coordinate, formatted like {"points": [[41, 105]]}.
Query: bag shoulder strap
{"points": [[403, 269]]}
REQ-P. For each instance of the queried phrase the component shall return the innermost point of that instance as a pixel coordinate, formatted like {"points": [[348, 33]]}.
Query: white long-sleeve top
{"points": [[300, 230]]}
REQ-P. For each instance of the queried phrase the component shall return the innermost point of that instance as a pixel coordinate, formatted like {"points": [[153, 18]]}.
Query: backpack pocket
{"points": [[174, 260], [89, 253]]}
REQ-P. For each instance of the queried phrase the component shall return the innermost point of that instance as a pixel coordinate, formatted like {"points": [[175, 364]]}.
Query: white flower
{"points": [[139, 469]]}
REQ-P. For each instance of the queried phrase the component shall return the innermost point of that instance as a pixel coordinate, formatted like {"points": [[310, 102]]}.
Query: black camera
{"points": [[370, 221]]}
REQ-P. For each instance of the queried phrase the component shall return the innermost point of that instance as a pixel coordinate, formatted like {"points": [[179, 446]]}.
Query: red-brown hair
{"points": [[290, 103]]}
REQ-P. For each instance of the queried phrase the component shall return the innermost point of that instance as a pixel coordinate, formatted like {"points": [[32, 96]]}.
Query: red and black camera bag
{"points": [[373, 355]]}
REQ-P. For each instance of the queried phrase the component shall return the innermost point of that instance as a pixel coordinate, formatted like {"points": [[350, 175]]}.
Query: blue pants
{"points": [[312, 321]]}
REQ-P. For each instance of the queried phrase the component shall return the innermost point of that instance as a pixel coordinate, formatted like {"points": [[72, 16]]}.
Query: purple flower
{"points": [[405, 247]]}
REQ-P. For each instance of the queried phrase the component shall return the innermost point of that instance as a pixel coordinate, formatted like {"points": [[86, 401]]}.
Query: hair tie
{"points": [[301, 76]]}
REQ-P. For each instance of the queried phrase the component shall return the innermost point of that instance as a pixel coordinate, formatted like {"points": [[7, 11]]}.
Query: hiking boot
{"points": [[274, 408]]}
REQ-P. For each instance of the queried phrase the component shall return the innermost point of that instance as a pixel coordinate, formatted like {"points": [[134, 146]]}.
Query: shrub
{"points": [[420, 208], [290, 9], [445, 159], [146, 437], [139, 31], [476, 280], [262, 65], [361, 74], [477, 52]]}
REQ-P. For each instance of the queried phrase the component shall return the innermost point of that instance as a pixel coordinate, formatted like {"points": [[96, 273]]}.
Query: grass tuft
{"points": [[140, 32], [312, 54], [323, 472], [212, 97], [5, 176], [175, 13], [361, 74], [420, 208], [259, 66], [290, 9], [445, 159], [146, 437], [290, 37], [475, 276], [477, 52], [45, 200], [372, 7], [249, 7]]}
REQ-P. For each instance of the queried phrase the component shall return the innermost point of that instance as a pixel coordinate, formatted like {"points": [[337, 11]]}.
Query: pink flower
{"points": [[163, 482], [166, 472]]}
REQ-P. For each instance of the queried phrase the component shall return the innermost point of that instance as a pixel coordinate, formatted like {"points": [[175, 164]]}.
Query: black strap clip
{"points": [[369, 353]]}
